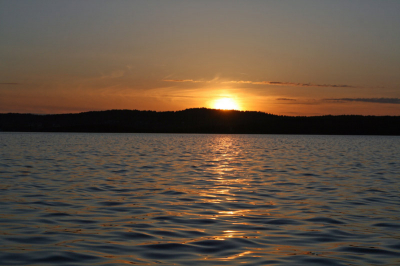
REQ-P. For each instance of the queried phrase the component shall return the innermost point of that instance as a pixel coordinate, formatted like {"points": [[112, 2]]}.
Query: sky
{"points": [[288, 57]]}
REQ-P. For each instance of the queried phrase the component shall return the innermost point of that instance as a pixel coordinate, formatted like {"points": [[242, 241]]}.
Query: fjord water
{"points": [[147, 199]]}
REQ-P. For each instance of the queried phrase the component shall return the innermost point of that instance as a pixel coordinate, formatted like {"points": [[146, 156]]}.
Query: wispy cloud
{"points": [[269, 83], [280, 83], [178, 96], [340, 100], [184, 80], [367, 100]]}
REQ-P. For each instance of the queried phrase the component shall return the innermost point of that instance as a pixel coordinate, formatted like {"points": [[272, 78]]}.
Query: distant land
{"points": [[200, 120]]}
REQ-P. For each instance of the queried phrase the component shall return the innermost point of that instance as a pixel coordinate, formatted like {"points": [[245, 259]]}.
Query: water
{"points": [[147, 199]]}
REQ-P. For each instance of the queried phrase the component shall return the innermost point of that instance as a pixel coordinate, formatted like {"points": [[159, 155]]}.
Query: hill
{"points": [[200, 120]]}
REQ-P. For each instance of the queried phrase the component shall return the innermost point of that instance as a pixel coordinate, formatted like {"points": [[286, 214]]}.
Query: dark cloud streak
{"points": [[183, 80], [285, 99], [293, 84], [367, 100]]}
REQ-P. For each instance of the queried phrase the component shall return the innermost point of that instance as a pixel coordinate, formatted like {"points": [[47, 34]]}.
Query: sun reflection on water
{"points": [[237, 255], [227, 178]]}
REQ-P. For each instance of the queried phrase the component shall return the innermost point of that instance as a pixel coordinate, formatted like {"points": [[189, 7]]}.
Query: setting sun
{"points": [[226, 104]]}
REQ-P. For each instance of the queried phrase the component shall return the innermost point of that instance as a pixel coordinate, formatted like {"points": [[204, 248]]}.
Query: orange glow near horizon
{"points": [[226, 104]]}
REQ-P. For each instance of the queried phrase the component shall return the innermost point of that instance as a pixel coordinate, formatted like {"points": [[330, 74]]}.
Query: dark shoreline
{"points": [[200, 120]]}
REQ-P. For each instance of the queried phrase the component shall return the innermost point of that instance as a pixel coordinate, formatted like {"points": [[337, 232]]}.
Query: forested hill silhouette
{"points": [[200, 120]]}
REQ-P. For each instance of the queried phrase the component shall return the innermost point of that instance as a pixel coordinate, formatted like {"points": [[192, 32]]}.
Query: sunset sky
{"points": [[299, 57]]}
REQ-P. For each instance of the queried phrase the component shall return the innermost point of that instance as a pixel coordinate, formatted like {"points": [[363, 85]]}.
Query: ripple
{"points": [[283, 222], [325, 220], [375, 251], [214, 246], [388, 225], [30, 240], [133, 235]]}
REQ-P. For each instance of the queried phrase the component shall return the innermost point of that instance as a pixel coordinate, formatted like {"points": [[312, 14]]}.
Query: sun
{"points": [[226, 104]]}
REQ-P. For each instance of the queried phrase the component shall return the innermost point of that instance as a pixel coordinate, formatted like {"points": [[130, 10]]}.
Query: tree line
{"points": [[200, 120]]}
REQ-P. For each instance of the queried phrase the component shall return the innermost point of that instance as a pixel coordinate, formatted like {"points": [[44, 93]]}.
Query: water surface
{"points": [[176, 199]]}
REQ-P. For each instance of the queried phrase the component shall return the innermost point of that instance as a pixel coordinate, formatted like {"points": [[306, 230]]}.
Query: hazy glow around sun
{"points": [[226, 104]]}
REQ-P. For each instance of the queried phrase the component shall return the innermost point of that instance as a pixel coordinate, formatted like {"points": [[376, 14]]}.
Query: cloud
{"points": [[183, 80], [367, 100], [178, 96], [239, 82], [279, 83], [285, 99], [9, 83], [270, 83], [267, 83], [342, 100]]}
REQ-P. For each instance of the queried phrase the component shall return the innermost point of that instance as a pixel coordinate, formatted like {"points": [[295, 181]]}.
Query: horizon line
{"points": [[206, 108]]}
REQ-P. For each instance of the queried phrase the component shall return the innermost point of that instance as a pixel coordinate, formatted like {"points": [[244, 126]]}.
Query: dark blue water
{"points": [[147, 199]]}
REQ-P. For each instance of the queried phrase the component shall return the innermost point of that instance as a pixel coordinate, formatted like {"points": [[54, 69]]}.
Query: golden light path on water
{"points": [[225, 165]]}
